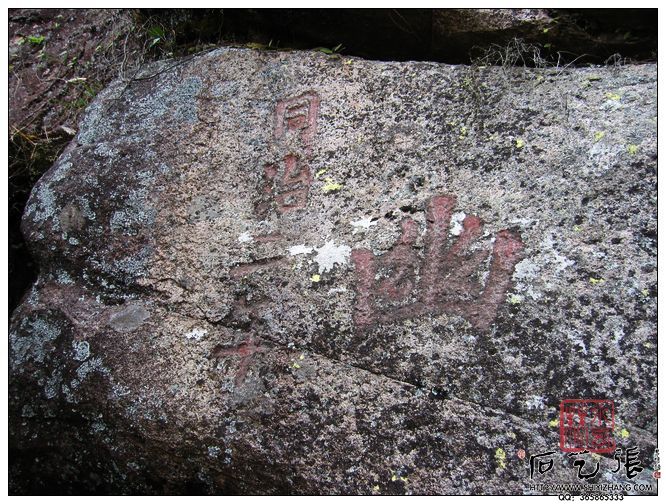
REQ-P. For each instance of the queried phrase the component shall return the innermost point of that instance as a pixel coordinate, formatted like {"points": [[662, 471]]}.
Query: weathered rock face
{"points": [[289, 273]]}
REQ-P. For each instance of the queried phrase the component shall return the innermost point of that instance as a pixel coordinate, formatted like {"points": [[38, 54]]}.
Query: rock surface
{"points": [[290, 273], [58, 60]]}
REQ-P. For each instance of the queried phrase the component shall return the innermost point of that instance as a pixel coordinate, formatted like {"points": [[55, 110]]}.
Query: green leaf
{"points": [[35, 39], [155, 32]]}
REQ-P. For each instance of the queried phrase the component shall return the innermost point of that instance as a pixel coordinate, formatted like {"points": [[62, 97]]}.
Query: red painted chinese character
{"points": [[387, 289], [298, 114]]}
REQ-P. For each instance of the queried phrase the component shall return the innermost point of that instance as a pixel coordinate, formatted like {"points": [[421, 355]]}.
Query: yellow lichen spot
{"points": [[554, 422], [596, 456], [512, 435], [613, 96], [632, 149], [577, 229], [545, 30], [315, 278], [320, 172], [375, 488], [647, 344], [394, 477], [520, 143], [515, 299], [331, 185], [348, 62], [463, 132], [645, 292], [598, 135], [403, 479], [295, 365], [596, 281], [624, 433], [500, 458], [301, 357]]}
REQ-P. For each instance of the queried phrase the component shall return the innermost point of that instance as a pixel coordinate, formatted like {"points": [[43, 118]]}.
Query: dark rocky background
{"points": [[59, 59]]}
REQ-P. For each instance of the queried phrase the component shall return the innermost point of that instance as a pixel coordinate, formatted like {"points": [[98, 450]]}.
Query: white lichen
{"points": [[457, 219], [196, 334], [526, 270], [34, 343], [81, 350], [63, 278], [535, 402], [53, 383], [245, 237], [27, 411], [560, 261], [363, 224], [331, 254], [336, 290], [300, 249], [98, 426], [88, 367]]}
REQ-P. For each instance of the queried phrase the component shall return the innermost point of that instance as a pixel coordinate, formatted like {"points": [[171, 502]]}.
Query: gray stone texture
{"points": [[267, 272]]}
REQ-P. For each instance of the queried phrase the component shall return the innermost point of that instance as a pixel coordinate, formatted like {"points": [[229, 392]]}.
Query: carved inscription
{"points": [[284, 188], [244, 352], [286, 183], [447, 279], [298, 114]]}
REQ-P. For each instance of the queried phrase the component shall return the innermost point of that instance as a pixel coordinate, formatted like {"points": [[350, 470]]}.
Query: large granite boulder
{"points": [[269, 272]]}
